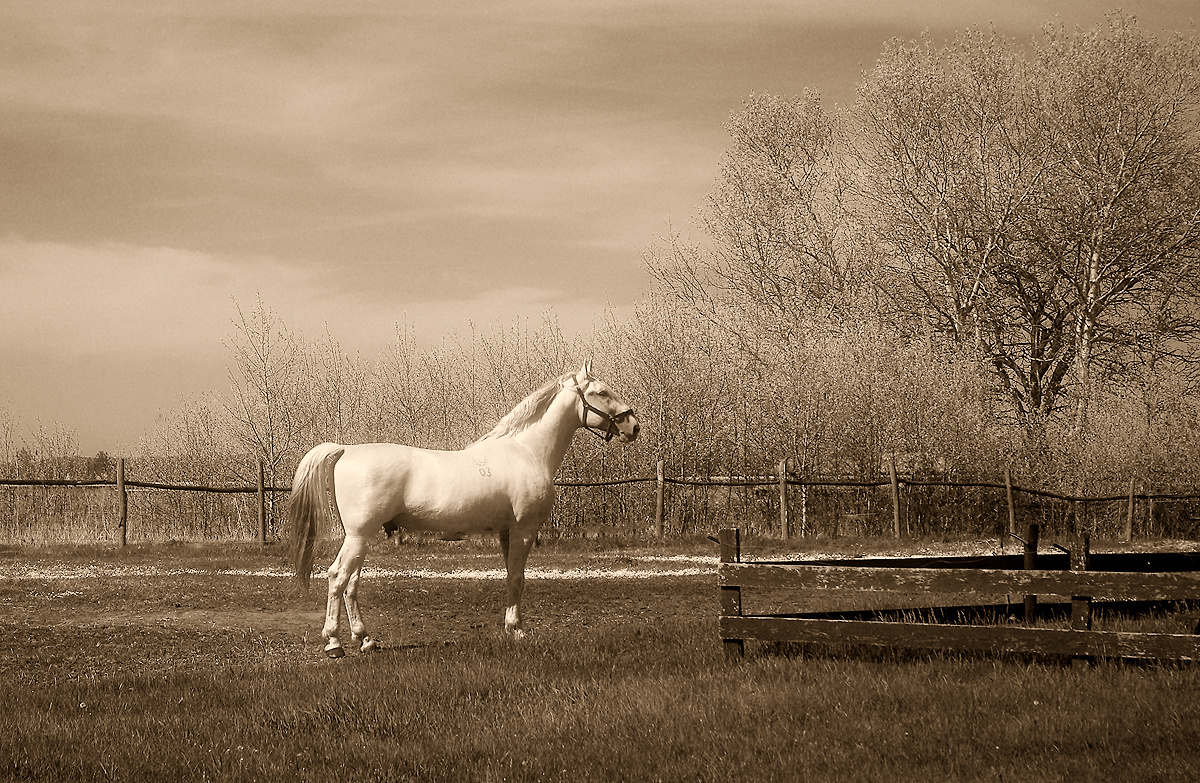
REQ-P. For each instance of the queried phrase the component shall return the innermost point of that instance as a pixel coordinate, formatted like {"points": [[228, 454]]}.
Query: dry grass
{"points": [[209, 675]]}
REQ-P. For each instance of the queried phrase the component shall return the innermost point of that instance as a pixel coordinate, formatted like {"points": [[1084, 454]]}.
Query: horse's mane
{"points": [[528, 410]]}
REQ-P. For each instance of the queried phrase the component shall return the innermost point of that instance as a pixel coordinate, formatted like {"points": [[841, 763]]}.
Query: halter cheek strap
{"points": [[609, 430]]}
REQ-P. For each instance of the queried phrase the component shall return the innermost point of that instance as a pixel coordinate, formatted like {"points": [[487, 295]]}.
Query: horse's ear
{"points": [[579, 379]]}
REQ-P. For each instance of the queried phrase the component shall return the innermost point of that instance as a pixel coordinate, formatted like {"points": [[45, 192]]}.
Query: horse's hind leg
{"points": [[344, 567], [358, 629]]}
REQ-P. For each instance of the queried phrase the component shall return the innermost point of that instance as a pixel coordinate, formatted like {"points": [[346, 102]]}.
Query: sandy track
{"points": [[643, 568]]}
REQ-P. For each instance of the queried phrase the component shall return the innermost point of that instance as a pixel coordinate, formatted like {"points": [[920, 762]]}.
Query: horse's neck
{"points": [[551, 436]]}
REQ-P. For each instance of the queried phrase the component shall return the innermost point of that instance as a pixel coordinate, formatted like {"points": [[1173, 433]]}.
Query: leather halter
{"points": [[610, 429]]}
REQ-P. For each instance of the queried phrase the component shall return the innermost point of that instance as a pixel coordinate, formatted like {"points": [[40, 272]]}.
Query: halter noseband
{"points": [[610, 429]]}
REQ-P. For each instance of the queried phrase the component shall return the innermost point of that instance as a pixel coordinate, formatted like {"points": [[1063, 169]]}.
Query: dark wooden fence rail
{"points": [[782, 480], [1118, 579]]}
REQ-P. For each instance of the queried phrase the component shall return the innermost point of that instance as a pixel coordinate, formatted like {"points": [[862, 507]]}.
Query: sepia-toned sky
{"points": [[362, 164]]}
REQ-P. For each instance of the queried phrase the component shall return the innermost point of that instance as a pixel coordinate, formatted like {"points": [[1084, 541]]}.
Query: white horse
{"points": [[502, 483]]}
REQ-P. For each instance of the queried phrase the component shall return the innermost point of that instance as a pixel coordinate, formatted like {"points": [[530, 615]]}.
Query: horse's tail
{"points": [[311, 502]]}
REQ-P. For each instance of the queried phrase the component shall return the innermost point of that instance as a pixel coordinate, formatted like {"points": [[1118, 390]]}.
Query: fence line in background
{"points": [[782, 479], [123, 484]]}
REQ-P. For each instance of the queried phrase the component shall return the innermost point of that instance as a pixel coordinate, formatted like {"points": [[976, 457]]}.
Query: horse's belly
{"points": [[441, 491], [455, 512]]}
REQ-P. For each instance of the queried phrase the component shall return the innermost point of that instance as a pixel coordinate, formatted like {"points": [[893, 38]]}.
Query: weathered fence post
{"points": [[731, 596], [262, 504], [895, 497], [1129, 516], [659, 502], [1030, 564], [1149, 528], [803, 510], [1081, 605], [122, 503], [783, 499], [1012, 509]]}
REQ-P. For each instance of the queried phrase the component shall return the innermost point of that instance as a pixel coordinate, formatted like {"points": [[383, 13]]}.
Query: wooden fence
{"points": [[783, 487], [123, 485], [899, 485], [1118, 581]]}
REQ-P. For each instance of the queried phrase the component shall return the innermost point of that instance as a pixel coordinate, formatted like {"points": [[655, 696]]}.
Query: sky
{"points": [[360, 165]]}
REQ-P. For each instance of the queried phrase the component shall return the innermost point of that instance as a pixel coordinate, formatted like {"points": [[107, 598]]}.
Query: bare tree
{"points": [[8, 443], [1046, 212], [777, 226], [267, 388], [333, 393], [951, 161], [395, 398], [780, 327], [1120, 224], [192, 443]]}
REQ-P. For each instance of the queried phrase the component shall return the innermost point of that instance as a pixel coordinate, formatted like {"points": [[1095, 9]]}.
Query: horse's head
{"points": [[601, 410]]}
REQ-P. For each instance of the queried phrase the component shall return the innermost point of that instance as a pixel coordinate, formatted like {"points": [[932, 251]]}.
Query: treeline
{"points": [[988, 262], [843, 409]]}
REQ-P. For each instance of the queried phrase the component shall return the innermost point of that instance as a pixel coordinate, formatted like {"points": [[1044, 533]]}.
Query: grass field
{"points": [[203, 663]]}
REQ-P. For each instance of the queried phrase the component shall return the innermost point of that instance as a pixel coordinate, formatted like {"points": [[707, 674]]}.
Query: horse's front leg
{"points": [[358, 629], [345, 565], [516, 552]]}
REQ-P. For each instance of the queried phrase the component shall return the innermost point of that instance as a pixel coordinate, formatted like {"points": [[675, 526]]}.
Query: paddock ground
{"points": [[80, 612], [204, 662], [71, 612], [68, 614]]}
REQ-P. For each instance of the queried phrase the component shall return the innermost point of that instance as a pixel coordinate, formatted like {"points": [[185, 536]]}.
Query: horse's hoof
{"points": [[369, 645], [335, 651]]}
